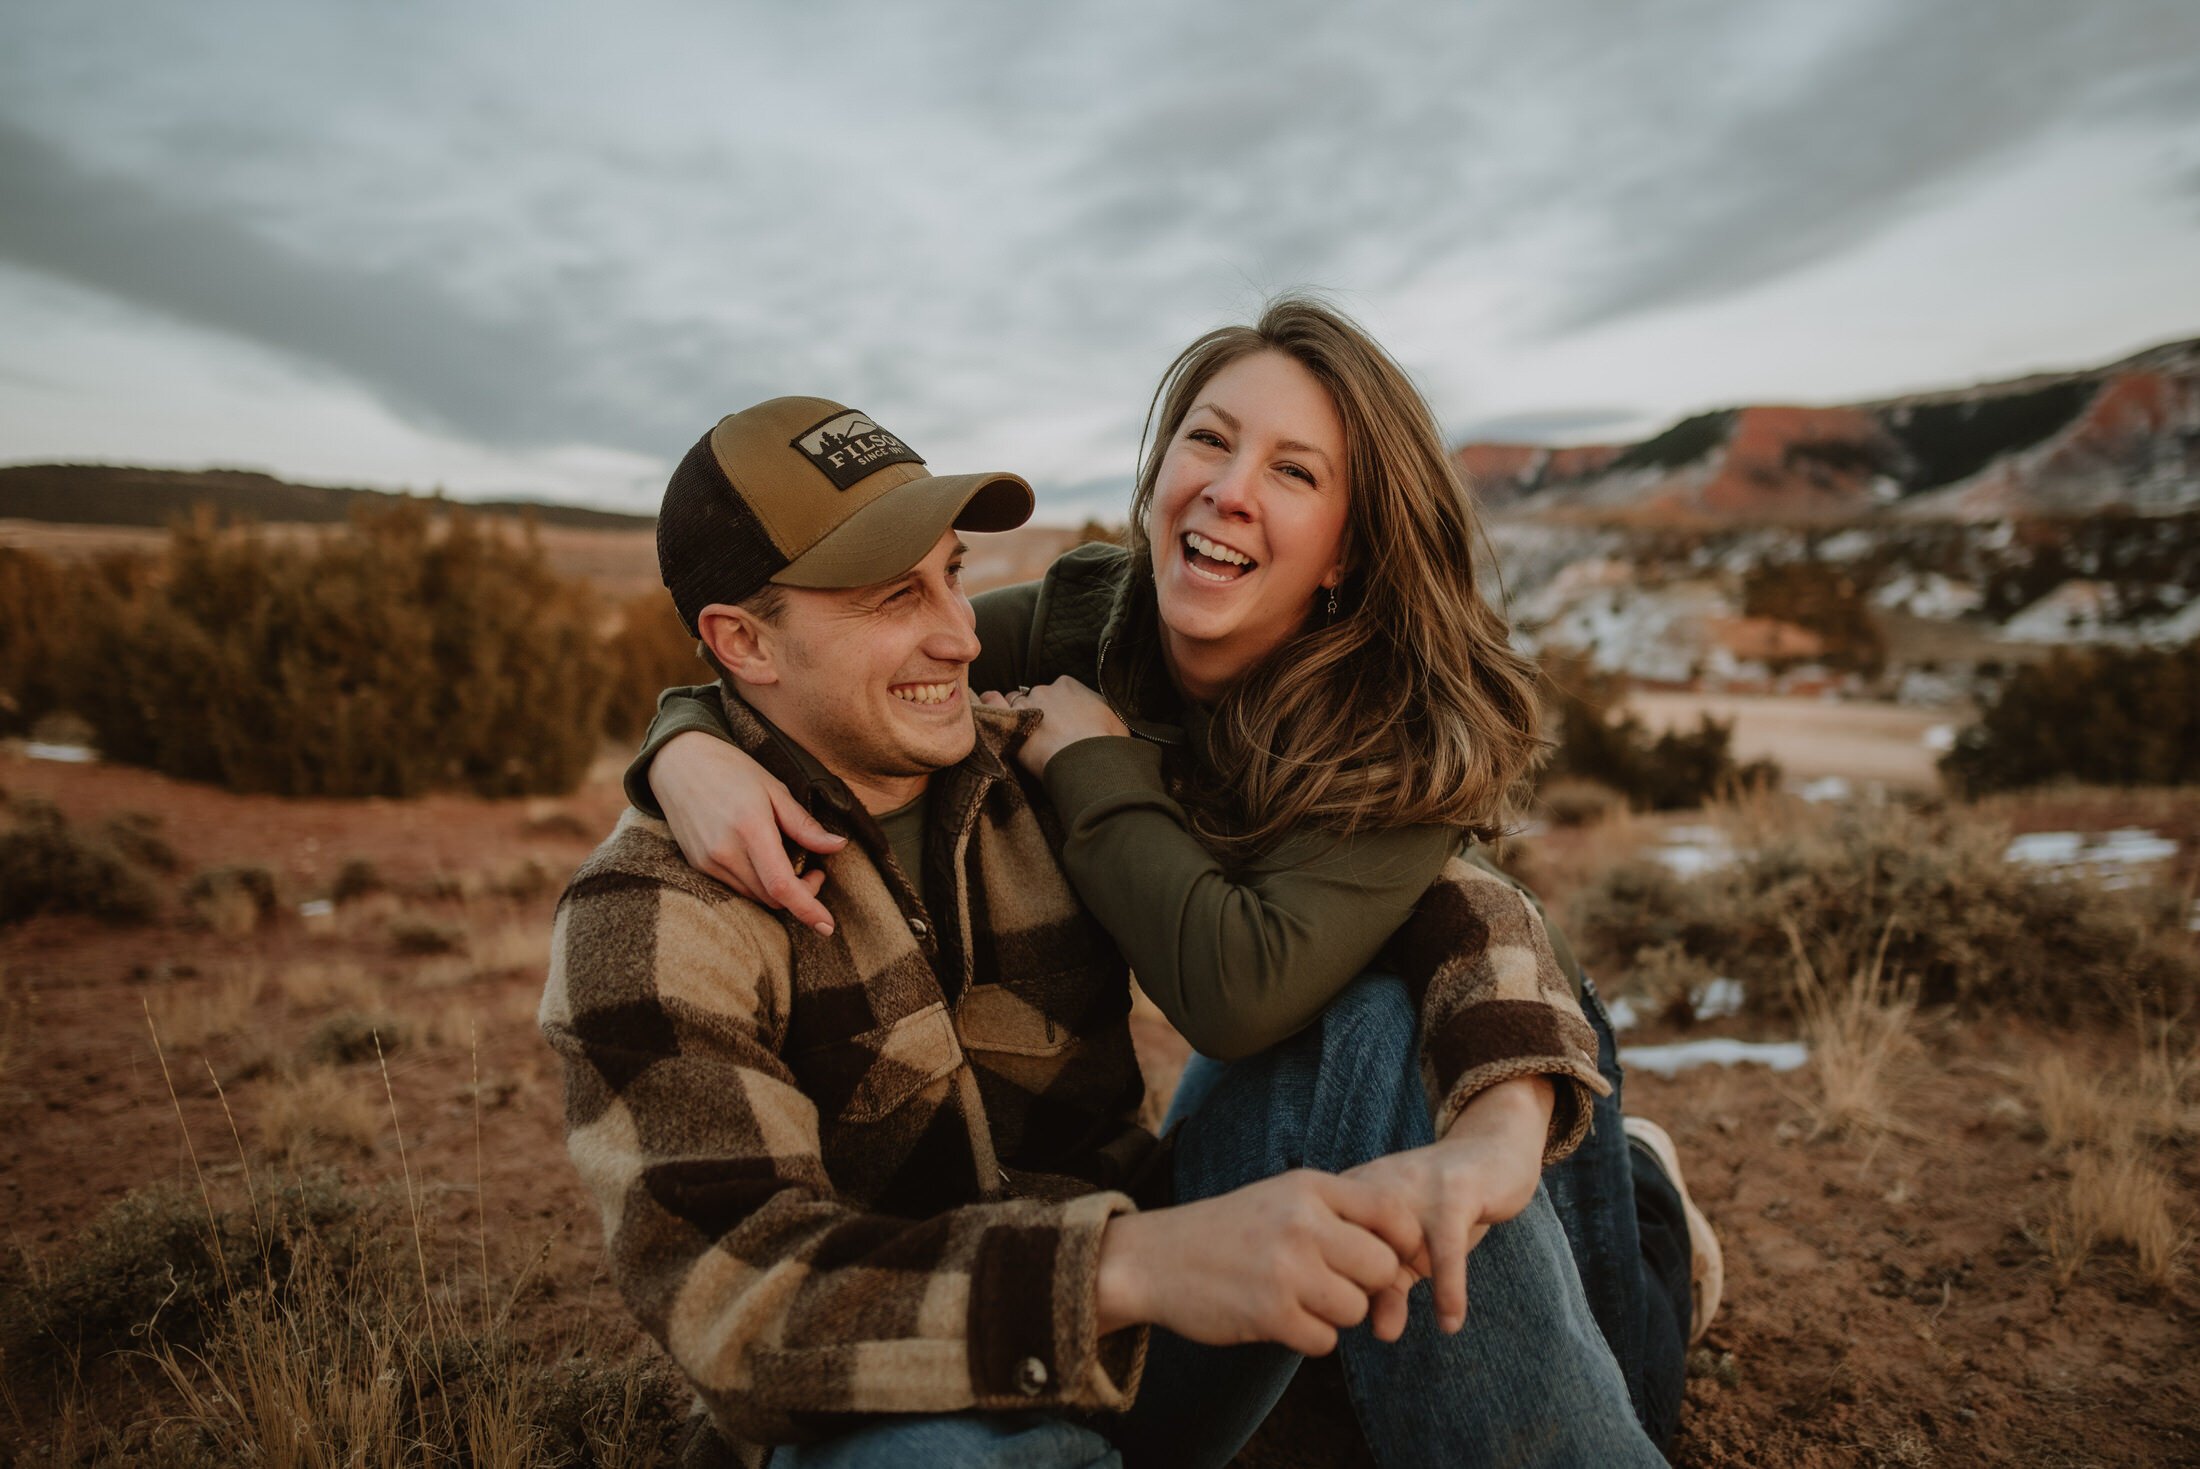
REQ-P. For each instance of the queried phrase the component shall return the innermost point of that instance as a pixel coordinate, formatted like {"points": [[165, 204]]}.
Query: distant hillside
{"points": [[2121, 437], [100, 494]]}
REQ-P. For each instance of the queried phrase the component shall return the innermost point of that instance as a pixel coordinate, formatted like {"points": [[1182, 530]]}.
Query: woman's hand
{"points": [[1073, 712], [1482, 1172], [729, 815]]}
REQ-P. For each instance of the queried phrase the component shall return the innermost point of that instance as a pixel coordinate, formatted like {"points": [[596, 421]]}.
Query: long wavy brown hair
{"points": [[1409, 707]]}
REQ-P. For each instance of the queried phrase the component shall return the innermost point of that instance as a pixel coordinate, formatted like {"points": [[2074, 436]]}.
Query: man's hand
{"points": [[729, 813], [1073, 712], [1481, 1172], [1291, 1259]]}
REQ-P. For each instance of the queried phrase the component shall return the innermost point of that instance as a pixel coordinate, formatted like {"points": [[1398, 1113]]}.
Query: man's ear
{"points": [[742, 642]]}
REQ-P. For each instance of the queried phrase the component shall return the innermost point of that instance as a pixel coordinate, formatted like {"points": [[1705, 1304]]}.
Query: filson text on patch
{"points": [[848, 446]]}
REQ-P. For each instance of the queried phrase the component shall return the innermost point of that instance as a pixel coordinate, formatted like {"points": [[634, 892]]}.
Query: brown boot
{"points": [[1706, 1263]]}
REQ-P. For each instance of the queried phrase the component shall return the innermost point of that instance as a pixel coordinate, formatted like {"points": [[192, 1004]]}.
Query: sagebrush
{"points": [[412, 651], [2108, 716], [1597, 741], [1959, 922]]}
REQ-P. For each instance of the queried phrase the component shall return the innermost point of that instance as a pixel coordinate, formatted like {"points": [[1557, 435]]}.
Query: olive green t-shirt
{"points": [[903, 826]]}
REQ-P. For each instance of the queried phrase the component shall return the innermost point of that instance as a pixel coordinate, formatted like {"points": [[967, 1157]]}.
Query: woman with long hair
{"points": [[1270, 722]]}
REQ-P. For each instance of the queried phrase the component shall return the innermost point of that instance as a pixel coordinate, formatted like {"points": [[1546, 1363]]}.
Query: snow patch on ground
{"points": [[1826, 789], [1714, 1051], [1928, 594], [1692, 851], [2111, 858], [2092, 612], [1718, 998], [66, 754]]}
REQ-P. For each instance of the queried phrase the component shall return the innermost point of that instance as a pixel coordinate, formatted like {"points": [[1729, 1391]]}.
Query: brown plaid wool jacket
{"points": [[869, 1173]]}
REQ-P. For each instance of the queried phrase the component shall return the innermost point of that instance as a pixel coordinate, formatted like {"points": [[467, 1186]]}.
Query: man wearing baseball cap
{"points": [[879, 1187]]}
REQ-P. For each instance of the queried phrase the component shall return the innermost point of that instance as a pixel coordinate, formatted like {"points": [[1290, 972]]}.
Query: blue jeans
{"points": [[1529, 1381], [1629, 1236]]}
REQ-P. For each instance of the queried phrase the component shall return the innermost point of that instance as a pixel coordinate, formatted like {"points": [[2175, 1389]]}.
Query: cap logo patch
{"points": [[848, 447]]}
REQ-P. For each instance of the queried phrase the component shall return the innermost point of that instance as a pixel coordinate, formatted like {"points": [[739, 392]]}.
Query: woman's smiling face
{"points": [[1247, 523]]}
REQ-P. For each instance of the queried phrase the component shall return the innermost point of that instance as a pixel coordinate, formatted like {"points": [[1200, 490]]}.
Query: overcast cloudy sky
{"points": [[537, 248]]}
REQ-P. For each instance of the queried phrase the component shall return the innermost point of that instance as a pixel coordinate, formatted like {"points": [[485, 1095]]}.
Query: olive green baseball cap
{"points": [[806, 492]]}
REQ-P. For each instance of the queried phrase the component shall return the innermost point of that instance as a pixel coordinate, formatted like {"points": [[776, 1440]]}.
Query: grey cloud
{"points": [[1674, 160], [522, 379], [1868, 135]]}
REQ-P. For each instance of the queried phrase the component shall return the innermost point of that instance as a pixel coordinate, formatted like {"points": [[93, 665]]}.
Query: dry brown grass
{"points": [[224, 1001], [2112, 1124], [2119, 1196], [1859, 1038], [511, 948], [319, 1112], [11, 1023], [233, 902], [327, 984]]}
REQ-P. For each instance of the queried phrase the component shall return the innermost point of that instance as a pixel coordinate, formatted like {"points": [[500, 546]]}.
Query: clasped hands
{"points": [[1072, 713], [1297, 1258]]}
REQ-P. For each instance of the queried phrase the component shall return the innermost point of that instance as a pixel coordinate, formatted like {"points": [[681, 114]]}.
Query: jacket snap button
{"points": [[1031, 1377]]}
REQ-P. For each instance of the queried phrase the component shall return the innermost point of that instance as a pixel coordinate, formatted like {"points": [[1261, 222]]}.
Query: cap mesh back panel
{"points": [[710, 546]]}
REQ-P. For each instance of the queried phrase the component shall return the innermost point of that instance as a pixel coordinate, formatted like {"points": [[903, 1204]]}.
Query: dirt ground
{"points": [[1888, 1302]]}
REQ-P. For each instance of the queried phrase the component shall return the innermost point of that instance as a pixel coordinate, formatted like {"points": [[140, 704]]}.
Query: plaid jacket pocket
{"points": [[871, 1075]]}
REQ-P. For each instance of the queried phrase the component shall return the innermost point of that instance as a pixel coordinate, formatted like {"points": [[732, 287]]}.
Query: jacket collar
{"points": [[1000, 731]]}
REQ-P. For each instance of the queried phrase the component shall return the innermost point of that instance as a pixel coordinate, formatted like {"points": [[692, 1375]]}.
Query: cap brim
{"points": [[898, 529]]}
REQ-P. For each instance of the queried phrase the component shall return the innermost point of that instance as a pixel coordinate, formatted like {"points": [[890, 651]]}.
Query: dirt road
{"points": [[1863, 743]]}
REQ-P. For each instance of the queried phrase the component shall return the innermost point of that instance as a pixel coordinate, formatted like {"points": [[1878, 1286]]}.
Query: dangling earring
{"points": [[1332, 604]]}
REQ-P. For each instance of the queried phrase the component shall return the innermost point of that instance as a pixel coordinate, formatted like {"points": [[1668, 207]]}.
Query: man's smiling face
{"points": [[874, 681]]}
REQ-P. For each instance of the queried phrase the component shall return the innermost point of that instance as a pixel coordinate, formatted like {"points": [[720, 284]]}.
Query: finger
{"points": [[1308, 1335], [1335, 1300], [799, 826], [782, 889], [1448, 1246], [1358, 1255], [1382, 1210], [1387, 1316], [813, 880], [993, 700]]}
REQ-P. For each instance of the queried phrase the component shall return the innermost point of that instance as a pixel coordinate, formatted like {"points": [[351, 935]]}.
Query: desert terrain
{"points": [[1914, 1274]]}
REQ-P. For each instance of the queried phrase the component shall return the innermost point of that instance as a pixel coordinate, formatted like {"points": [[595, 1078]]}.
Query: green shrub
{"points": [[1570, 801], [46, 866], [154, 1261], [1972, 929], [412, 652], [1670, 771], [410, 933], [50, 612], [232, 901], [137, 836], [348, 1037], [2111, 716], [651, 650], [34, 608], [357, 878], [1826, 600]]}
